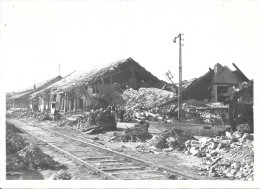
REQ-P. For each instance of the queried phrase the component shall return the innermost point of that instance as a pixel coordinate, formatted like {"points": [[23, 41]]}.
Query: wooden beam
{"points": [[102, 80]]}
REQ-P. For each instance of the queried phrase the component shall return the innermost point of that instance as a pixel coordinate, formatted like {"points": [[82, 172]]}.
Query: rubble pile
{"points": [[94, 121], [21, 114], [79, 121], [237, 163], [137, 133], [229, 156], [45, 115], [31, 158], [146, 98], [174, 139], [144, 104], [23, 156], [207, 112], [62, 175], [14, 141], [106, 120]]}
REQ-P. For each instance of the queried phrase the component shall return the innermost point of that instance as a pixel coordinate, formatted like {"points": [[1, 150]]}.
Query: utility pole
{"points": [[59, 69], [180, 76], [34, 87]]}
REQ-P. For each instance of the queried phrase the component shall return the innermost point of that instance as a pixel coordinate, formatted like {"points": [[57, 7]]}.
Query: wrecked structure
{"points": [[214, 86], [127, 83], [84, 89], [22, 99]]}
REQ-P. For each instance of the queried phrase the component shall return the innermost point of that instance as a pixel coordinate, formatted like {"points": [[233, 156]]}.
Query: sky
{"points": [[37, 36]]}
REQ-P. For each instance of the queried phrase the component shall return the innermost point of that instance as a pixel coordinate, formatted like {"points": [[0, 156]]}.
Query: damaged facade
{"points": [[214, 86], [86, 89], [22, 99], [83, 89], [224, 80]]}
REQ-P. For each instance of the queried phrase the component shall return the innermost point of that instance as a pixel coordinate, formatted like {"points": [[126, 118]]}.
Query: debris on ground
{"points": [[62, 175], [146, 98], [173, 138], [137, 133], [91, 122], [229, 156], [41, 116], [24, 156], [237, 163], [14, 141], [106, 120], [31, 158]]}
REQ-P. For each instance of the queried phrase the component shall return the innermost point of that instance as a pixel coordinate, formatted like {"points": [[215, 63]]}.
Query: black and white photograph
{"points": [[159, 93]]}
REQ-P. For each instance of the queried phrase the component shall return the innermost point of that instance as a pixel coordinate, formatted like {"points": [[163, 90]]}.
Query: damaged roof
{"points": [[39, 86], [200, 89], [20, 95], [80, 77]]}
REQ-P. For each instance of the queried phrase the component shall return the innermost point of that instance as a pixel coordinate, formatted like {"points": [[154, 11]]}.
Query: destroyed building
{"points": [[21, 99], [82, 89], [214, 86]]}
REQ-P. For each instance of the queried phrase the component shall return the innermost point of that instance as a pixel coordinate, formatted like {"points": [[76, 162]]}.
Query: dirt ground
{"points": [[176, 160], [69, 171]]}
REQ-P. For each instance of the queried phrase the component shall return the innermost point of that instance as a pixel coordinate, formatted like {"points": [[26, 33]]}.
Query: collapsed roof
{"points": [[201, 87], [80, 77]]}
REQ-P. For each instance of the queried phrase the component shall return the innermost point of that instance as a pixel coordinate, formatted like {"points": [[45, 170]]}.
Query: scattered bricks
{"points": [[212, 172], [221, 145], [62, 175], [228, 135], [170, 149], [195, 143], [137, 133], [204, 140], [233, 145], [237, 135], [213, 153], [186, 153], [188, 143], [223, 138], [194, 151], [243, 128], [247, 136], [203, 147], [213, 145]]}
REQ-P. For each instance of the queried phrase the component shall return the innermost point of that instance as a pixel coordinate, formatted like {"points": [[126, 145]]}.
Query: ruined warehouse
{"points": [[82, 89], [21, 99], [214, 86]]}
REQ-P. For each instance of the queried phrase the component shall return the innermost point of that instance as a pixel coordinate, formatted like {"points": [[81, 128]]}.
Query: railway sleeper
{"points": [[122, 168]]}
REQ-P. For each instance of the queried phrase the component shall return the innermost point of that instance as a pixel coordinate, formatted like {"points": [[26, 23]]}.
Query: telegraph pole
{"points": [[180, 77]]}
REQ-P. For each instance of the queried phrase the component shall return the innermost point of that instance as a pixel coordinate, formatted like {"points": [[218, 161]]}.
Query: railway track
{"points": [[104, 162]]}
